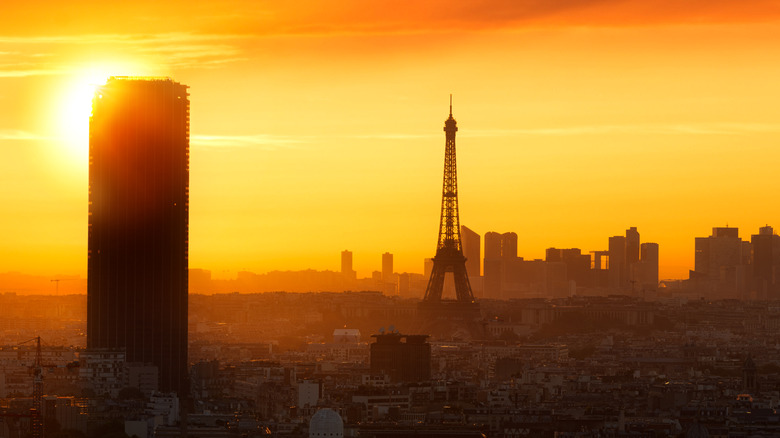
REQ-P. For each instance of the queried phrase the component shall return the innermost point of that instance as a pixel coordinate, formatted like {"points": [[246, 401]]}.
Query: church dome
{"points": [[326, 423]]}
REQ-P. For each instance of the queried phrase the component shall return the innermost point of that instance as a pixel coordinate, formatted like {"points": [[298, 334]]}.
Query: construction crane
{"points": [[36, 411], [57, 281]]}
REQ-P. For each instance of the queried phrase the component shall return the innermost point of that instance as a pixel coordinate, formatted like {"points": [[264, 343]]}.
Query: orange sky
{"points": [[317, 126]]}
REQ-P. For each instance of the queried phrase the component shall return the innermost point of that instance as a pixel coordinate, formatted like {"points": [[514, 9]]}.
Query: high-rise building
{"points": [[509, 246], [387, 267], [632, 246], [472, 250], [618, 277], [493, 266], [765, 258], [389, 279], [648, 267], [577, 264], [346, 265], [492, 245], [721, 264], [139, 224]]}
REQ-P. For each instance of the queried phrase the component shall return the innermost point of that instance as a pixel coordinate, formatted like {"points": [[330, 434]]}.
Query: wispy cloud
{"points": [[393, 136], [261, 141], [12, 134], [49, 54], [660, 129]]}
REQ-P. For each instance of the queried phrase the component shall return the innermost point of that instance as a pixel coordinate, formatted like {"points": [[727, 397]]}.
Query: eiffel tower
{"points": [[446, 315]]}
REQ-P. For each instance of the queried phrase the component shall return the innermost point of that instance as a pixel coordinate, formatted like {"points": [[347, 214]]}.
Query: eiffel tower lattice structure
{"points": [[462, 312]]}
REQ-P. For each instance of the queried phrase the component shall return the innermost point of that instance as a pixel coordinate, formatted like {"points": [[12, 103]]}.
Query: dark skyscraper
{"points": [[138, 224], [346, 265], [472, 250]]}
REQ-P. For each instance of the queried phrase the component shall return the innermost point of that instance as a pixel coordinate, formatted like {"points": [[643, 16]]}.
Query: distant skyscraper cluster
{"points": [[728, 267], [385, 280], [627, 266]]}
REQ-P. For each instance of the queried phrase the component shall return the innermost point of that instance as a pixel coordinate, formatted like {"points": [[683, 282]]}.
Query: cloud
{"points": [[51, 54], [660, 129], [412, 16], [12, 134], [394, 136], [261, 141]]}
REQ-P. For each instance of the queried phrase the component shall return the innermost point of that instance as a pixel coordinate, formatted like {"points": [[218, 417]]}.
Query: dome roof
{"points": [[326, 423]]}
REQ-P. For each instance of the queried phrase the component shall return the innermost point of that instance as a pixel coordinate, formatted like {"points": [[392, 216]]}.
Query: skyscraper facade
{"points": [[493, 266], [139, 224], [472, 250], [387, 267], [722, 264], [618, 278], [346, 265]]}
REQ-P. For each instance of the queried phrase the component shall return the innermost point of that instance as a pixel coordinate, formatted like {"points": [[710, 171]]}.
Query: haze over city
{"points": [[317, 127]]}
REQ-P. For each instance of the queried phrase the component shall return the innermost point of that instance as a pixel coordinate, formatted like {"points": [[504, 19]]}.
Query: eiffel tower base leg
{"points": [[449, 319]]}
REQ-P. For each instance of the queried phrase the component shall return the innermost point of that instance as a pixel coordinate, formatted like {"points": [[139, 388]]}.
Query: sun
{"points": [[75, 108]]}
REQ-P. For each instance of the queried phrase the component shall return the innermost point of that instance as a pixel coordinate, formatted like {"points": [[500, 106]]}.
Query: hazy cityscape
{"points": [[212, 211]]}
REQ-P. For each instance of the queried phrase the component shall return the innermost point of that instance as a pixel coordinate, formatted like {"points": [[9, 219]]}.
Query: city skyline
{"points": [[668, 126]]}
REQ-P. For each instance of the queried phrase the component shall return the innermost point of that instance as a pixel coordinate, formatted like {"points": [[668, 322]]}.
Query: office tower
{"points": [[492, 245], [648, 267], [600, 268], [721, 263], [577, 264], [404, 358], [510, 269], [632, 246], [617, 272], [493, 266], [556, 284], [765, 258], [138, 224], [472, 250], [427, 267], [509, 246], [387, 267], [346, 265]]}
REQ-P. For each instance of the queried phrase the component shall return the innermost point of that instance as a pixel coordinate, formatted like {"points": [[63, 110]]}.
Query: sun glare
{"points": [[76, 107]]}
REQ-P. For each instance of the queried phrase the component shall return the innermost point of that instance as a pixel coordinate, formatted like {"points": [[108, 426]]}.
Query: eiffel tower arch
{"points": [[439, 316]]}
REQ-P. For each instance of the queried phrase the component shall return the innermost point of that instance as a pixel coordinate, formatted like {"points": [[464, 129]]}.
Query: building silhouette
{"points": [[502, 268], [721, 264], [138, 224], [389, 279], [472, 250], [463, 312], [648, 267], [493, 272], [632, 246], [387, 267], [404, 358], [617, 271], [346, 265], [766, 263]]}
